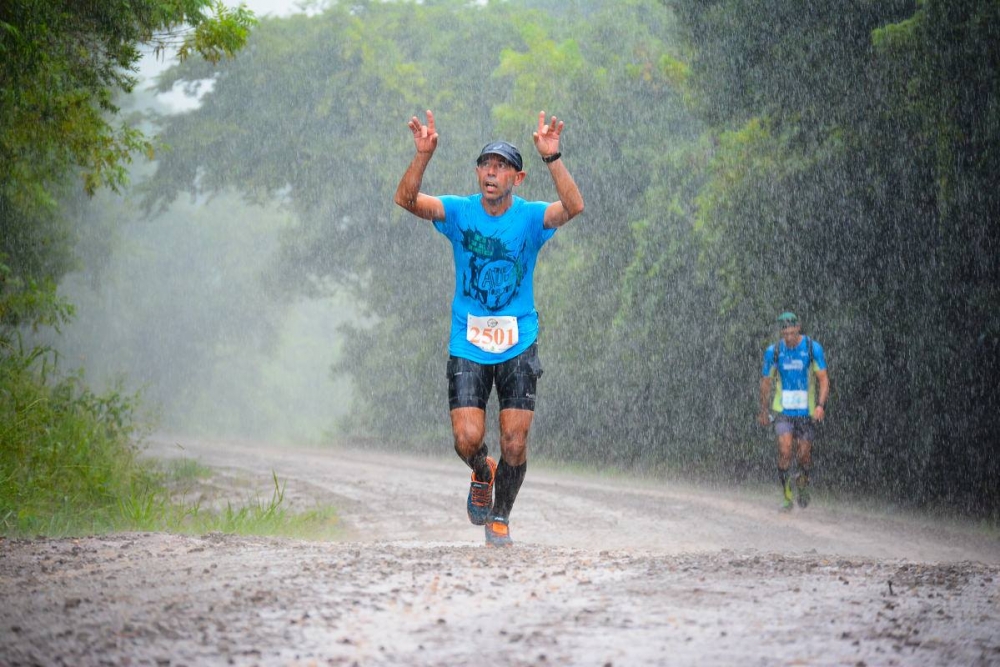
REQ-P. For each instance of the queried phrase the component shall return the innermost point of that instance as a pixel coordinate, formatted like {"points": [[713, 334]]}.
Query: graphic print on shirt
{"points": [[494, 273]]}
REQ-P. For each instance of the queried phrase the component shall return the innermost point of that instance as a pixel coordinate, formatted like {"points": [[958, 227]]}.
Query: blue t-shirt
{"points": [[795, 393], [494, 271]]}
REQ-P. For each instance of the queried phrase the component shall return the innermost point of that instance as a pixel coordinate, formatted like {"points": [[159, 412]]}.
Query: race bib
{"points": [[795, 400], [492, 333]]}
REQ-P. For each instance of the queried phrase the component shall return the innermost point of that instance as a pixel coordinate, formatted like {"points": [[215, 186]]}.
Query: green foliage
{"points": [[65, 453], [26, 303], [221, 36], [62, 64], [70, 465], [861, 200], [64, 61], [65, 458]]}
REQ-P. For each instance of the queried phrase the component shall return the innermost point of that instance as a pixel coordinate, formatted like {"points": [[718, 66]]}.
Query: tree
{"points": [[62, 63], [854, 149], [65, 451]]}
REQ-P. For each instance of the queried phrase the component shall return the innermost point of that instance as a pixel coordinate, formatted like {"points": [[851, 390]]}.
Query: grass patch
{"points": [[70, 466], [185, 471], [199, 510]]}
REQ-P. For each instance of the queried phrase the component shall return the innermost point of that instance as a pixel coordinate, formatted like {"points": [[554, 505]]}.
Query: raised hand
{"points": [[547, 136], [425, 137]]}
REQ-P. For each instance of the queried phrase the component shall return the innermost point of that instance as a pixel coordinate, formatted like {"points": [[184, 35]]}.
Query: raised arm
{"points": [[570, 202], [408, 193]]}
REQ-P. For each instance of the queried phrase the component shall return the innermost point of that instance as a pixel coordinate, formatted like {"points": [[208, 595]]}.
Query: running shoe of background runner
{"points": [[787, 501], [498, 532], [802, 484], [480, 500]]}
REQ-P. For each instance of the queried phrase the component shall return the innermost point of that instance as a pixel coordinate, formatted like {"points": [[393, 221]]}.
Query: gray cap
{"points": [[505, 150]]}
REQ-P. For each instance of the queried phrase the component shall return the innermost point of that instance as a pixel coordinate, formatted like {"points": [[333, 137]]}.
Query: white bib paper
{"points": [[794, 400], [492, 333]]}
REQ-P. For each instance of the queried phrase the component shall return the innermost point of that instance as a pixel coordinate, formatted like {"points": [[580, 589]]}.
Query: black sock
{"points": [[508, 483], [479, 465], [783, 477]]}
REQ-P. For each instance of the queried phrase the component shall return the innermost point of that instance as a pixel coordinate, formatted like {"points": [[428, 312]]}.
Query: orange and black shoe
{"points": [[480, 501], [498, 532]]}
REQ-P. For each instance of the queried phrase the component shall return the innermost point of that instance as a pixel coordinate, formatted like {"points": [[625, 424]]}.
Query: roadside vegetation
{"points": [[69, 457], [70, 464]]}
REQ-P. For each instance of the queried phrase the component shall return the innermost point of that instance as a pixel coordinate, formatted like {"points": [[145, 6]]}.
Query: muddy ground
{"points": [[604, 572]]}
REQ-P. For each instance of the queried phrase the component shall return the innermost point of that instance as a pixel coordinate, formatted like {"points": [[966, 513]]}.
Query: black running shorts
{"points": [[470, 384]]}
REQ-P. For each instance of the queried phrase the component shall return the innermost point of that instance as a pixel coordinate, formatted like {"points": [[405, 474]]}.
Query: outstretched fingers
{"points": [[553, 125], [547, 135], [421, 130], [424, 136]]}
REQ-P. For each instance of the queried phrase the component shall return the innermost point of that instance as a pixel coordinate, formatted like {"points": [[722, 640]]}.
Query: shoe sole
{"points": [[494, 539]]}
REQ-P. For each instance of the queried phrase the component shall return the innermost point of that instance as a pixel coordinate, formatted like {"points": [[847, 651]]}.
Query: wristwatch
{"points": [[549, 159]]}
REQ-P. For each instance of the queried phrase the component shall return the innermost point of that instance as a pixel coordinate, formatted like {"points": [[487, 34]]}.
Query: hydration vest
{"points": [[776, 405], [809, 346]]}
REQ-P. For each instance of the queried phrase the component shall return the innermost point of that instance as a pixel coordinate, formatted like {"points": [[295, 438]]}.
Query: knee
{"points": [[467, 441], [514, 447]]}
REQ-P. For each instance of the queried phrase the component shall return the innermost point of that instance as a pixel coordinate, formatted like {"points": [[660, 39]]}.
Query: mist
{"points": [[181, 308]]}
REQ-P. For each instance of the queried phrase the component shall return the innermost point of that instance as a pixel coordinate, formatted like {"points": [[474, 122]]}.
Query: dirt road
{"points": [[604, 572]]}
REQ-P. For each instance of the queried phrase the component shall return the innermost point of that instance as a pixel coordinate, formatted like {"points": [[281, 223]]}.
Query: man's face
{"points": [[497, 177], [790, 332]]}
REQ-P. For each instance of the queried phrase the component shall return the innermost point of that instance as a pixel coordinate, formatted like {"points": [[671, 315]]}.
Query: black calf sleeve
{"points": [[508, 483], [478, 464]]}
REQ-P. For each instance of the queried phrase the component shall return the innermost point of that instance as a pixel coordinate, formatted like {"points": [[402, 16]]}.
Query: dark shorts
{"points": [[801, 428], [470, 384]]}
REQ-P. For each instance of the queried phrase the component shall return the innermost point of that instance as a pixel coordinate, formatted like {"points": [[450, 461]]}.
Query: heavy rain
{"points": [[223, 344]]}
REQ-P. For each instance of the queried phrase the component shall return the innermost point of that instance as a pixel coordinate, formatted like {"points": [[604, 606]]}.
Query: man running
{"points": [[495, 236], [795, 360]]}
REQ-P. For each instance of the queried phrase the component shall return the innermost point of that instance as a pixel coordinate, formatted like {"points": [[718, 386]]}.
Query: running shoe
{"points": [[498, 532], [480, 500], [787, 501], [802, 484]]}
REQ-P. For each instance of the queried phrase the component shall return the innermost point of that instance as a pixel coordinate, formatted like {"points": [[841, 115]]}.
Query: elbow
{"points": [[576, 209]]}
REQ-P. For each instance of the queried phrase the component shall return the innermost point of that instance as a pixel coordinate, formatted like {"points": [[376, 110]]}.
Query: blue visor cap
{"points": [[503, 149]]}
